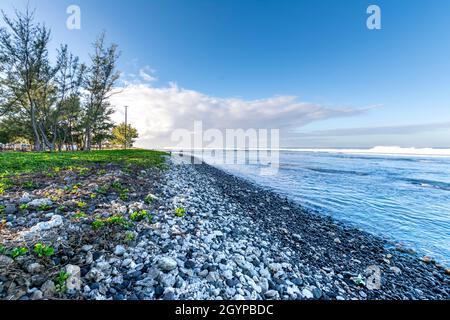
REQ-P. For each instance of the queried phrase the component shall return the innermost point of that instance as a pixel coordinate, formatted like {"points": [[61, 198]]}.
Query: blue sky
{"points": [[351, 87]]}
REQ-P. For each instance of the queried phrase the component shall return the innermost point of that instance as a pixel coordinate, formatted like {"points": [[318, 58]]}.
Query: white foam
{"points": [[383, 150]]}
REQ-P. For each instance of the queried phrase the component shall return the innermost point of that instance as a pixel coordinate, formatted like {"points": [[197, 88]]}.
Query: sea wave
{"points": [[381, 150]]}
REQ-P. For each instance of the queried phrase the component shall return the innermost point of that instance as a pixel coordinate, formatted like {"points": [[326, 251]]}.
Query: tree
{"points": [[42, 101], [29, 84], [99, 84], [118, 133], [25, 67]]}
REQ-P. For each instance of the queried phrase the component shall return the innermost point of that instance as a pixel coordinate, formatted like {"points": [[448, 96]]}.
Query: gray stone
{"points": [[167, 280], [271, 294], [10, 209], [40, 202], [48, 289], [307, 294], [73, 282], [120, 250], [37, 295], [35, 268], [5, 261], [167, 264]]}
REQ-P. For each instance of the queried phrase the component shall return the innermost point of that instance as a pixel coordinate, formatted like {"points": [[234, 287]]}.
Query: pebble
{"points": [[167, 264]]}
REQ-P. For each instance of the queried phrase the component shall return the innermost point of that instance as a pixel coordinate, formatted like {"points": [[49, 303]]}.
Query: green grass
{"points": [[13, 163]]}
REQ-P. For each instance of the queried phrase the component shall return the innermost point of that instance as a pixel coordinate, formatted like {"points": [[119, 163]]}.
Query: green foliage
{"points": [[80, 215], [29, 185], [97, 224], [60, 281], [122, 190], [17, 252], [44, 207], [24, 206], [115, 220], [149, 199], [43, 251], [103, 189], [118, 133], [141, 215], [81, 204], [129, 236], [180, 212], [2, 249]]}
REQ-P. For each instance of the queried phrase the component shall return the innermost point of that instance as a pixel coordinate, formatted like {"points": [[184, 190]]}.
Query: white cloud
{"points": [[156, 112], [146, 74]]}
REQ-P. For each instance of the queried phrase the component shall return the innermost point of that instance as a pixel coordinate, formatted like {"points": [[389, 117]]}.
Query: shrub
{"points": [[16, 252], [149, 199], [81, 204], [180, 212], [43, 251], [141, 215], [44, 207], [60, 281], [79, 215], [130, 236], [97, 224], [24, 206]]}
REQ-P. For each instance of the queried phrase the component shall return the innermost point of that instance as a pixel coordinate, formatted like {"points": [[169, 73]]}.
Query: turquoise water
{"points": [[405, 199]]}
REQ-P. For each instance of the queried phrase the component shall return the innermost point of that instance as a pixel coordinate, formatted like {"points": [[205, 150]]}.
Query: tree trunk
{"points": [[37, 140], [88, 142]]}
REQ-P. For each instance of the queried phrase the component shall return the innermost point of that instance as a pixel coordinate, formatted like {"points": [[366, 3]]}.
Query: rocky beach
{"points": [[181, 232]]}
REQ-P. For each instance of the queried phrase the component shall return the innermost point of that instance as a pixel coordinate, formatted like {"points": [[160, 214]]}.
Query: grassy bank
{"points": [[12, 163]]}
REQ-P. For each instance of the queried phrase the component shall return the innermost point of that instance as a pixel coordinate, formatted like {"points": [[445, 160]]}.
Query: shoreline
{"points": [[339, 240], [232, 240]]}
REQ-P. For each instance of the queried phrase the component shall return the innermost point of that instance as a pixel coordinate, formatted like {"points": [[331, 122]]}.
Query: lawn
{"points": [[13, 163]]}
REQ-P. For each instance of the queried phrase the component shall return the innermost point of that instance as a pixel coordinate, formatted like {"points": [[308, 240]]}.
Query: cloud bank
{"points": [[157, 112]]}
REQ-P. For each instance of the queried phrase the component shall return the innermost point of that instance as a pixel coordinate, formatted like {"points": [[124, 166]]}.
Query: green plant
{"points": [[180, 212], [29, 185], [129, 236], [79, 215], [149, 199], [83, 171], [24, 206], [359, 280], [117, 220], [2, 249], [2, 207], [93, 196], [60, 281], [43, 251], [44, 207], [81, 204], [97, 224], [141, 215], [123, 196], [16, 252]]}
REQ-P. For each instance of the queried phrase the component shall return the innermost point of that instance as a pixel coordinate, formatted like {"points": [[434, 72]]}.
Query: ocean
{"points": [[402, 195]]}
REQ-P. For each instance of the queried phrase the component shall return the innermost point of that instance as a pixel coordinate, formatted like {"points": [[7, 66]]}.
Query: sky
{"points": [[309, 68]]}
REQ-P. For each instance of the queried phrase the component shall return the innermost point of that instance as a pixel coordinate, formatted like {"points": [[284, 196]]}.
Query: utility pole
{"points": [[126, 126]]}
